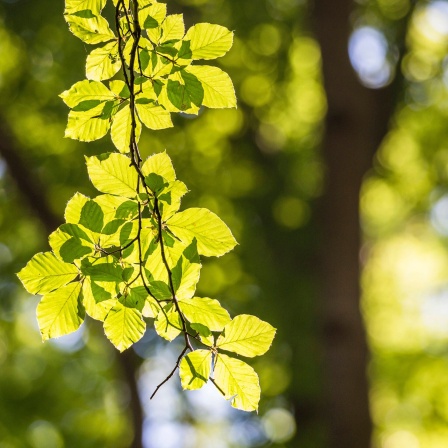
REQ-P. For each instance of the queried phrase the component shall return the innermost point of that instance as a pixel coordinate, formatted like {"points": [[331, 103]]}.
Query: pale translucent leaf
{"points": [[124, 326], [90, 29], [122, 128], [247, 335], [59, 312], [238, 381], [209, 41], [103, 63], [205, 311], [45, 272], [173, 28], [87, 126], [194, 369], [218, 88], [213, 236], [168, 324], [185, 274], [98, 298], [71, 242], [153, 116], [87, 92], [111, 173], [170, 198], [159, 164], [72, 6]]}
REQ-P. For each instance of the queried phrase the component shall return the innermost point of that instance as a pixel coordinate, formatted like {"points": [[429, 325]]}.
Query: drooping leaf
{"points": [[60, 312], [159, 164], [95, 6], [213, 236], [152, 115], [185, 274], [238, 381], [103, 63], [122, 129], [98, 298], [86, 92], [90, 125], [209, 41], [45, 273], [194, 369], [247, 335], [218, 87], [168, 324], [90, 28], [70, 242], [124, 325], [111, 173], [205, 311]]}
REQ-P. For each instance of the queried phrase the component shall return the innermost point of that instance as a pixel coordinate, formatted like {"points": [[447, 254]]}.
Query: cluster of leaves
{"points": [[129, 257], [165, 81]]}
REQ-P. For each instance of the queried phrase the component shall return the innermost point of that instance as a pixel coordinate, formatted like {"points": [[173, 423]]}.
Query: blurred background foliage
{"points": [[261, 169]]}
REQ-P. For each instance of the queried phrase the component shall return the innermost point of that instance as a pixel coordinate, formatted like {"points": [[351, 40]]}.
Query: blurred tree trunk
{"points": [[356, 122]]}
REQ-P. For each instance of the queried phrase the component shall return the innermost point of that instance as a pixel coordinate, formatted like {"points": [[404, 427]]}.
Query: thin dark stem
{"points": [[179, 359]]}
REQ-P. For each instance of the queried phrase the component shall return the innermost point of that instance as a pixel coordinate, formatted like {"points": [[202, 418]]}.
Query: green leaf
{"points": [[159, 164], [205, 335], [218, 88], [247, 335], [44, 273], [96, 6], [70, 242], [151, 17], [91, 29], [124, 325], [184, 91], [103, 63], [205, 311], [186, 273], [170, 198], [112, 173], [209, 41], [92, 216], [168, 324], [74, 207], [153, 116], [194, 369], [86, 91], [90, 125], [213, 236], [105, 269], [238, 381], [60, 312], [98, 298], [122, 128], [173, 28], [119, 88]]}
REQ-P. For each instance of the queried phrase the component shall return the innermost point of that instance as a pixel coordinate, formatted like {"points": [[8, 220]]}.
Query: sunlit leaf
{"points": [[153, 116], [238, 381], [112, 173], [218, 88], [95, 6], [60, 312], [247, 335], [103, 63], [194, 369], [209, 41], [205, 311], [90, 28], [121, 130], [168, 324], [98, 298], [213, 236], [45, 273]]}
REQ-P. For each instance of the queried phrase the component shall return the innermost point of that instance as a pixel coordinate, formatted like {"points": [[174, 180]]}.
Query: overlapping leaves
{"points": [[129, 257], [166, 80]]}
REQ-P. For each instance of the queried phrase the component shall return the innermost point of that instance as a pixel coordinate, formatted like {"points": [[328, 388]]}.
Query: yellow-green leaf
{"points": [[112, 173], [194, 369], [98, 298], [59, 312], [122, 128], [209, 41], [168, 324], [103, 63], [205, 311], [153, 116], [87, 126], [213, 236], [247, 335], [87, 93], [124, 325], [45, 273], [90, 28], [218, 87], [159, 164], [95, 6], [238, 381]]}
